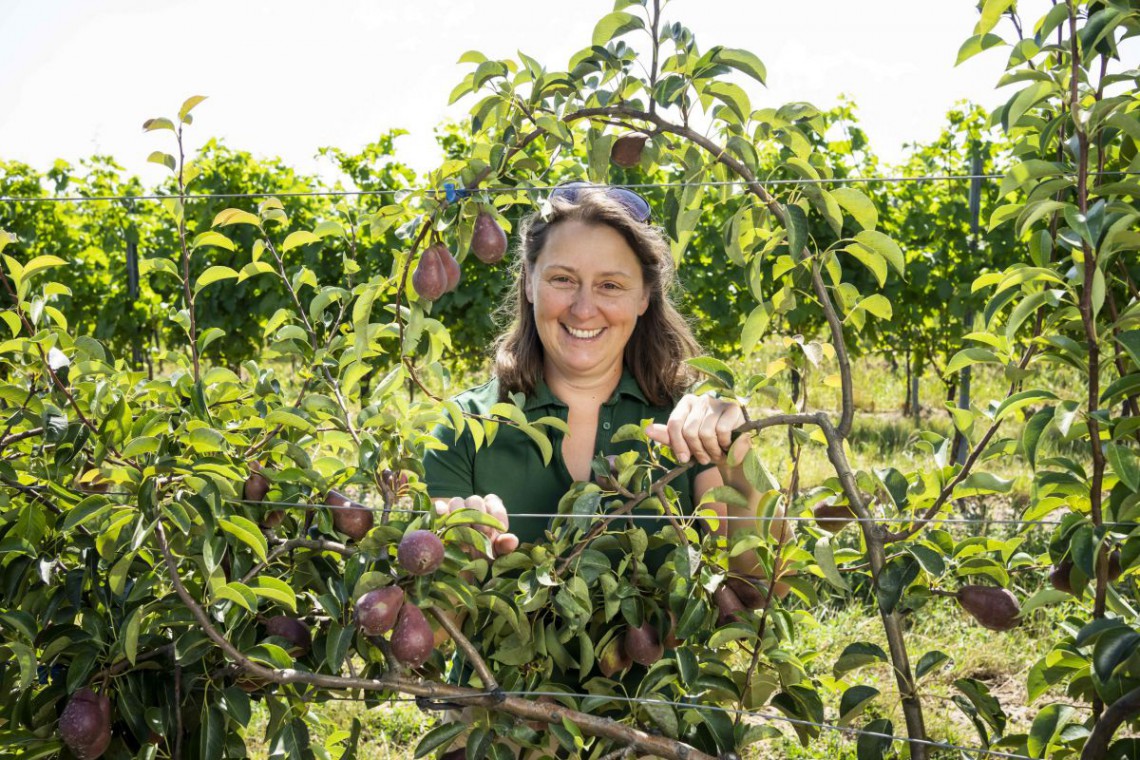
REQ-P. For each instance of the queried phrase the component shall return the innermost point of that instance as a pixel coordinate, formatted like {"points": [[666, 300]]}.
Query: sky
{"points": [[284, 78]]}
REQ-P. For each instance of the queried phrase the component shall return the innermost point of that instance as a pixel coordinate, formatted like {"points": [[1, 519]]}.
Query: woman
{"points": [[597, 343]]}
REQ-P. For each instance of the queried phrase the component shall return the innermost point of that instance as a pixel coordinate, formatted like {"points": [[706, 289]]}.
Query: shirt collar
{"points": [[627, 386]]}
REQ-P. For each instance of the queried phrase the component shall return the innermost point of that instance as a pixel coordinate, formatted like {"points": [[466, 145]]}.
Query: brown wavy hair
{"points": [[662, 339]]}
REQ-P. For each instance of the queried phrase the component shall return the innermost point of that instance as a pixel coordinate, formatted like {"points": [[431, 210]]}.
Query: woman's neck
{"points": [[582, 390]]}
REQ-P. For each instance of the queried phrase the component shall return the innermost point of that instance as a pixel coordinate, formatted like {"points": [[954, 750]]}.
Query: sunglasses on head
{"points": [[637, 206]]}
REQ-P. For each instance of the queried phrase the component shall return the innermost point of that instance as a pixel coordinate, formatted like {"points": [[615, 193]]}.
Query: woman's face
{"points": [[587, 292]]}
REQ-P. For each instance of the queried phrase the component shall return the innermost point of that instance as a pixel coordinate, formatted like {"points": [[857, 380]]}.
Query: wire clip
{"points": [[454, 193]]}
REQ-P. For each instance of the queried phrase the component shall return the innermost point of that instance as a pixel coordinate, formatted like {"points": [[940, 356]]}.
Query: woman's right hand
{"points": [[502, 541]]}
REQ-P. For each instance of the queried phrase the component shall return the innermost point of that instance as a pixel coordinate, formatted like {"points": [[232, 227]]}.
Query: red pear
{"points": [[626, 150], [488, 241], [350, 518], [614, 658], [993, 608], [412, 640], [292, 630], [85, 725], [643, 645], [420, 552], [377, 610], [727, 603]]}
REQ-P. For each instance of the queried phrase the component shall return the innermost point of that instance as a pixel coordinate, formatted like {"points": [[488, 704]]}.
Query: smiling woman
{"points": [[596, 342]]}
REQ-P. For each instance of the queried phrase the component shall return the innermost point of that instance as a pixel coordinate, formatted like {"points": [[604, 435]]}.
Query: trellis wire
{"points": [[550, 516], [698, 706], [537, 188]]}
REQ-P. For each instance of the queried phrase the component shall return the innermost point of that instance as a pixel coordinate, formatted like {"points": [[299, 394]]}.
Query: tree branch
{"points": [[1096, 746], [522, 708], [464, 644]]}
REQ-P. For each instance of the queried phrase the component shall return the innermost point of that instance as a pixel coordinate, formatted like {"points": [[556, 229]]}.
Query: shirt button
{"points": [[605, 426]]}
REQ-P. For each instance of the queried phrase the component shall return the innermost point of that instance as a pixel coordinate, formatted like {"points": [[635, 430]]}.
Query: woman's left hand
{"points": [[700, 428]]}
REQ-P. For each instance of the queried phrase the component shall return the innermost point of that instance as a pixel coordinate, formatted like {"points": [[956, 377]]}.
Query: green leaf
{"points": [[239, 594], [975, 45], [854, 701], [275, 590], [163, 159], [929, 661], [41, 263], [1125, 464], [212, 275], [714, 368], [1021, 400], [235, 216], [297, 239], [213, 238], [876, 304], [1031, 434], [796, 223], [150, 125], [440, 738], [1026, 99], [825, 558], [1114, 648], [885, 247], [1043, 598], [288, 419], [614, 25], [858, 206], [188, 106], [873, 747], [991, 14], [1047, 728], [742, 61], [857, 655], [26, 657], [540, 440], [894, 579], [131, 635], [969, 356], [754, 328], [868, 258], [1130, 341], [731, 95], [88, 509], [246, 531], [982, 483]]}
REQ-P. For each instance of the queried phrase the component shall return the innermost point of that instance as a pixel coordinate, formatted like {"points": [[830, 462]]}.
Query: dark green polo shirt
{"points": [[512, 466]]}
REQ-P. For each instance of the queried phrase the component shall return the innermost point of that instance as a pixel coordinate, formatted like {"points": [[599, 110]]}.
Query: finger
{"points": [[441, 507], [456, 503], [709, 439], [497, 510], [691, 430], [730, 420], [658, 432], [676, 426], [505, 544], [479, 504]]}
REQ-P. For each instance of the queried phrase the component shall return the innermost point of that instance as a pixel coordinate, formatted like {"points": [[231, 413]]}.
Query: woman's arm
{"points": [[700, 428]]}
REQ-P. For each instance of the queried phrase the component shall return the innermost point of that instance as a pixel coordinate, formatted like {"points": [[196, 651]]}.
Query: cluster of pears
{"points": [[349, 517], [386, 609], [1061, 576], [438, 272]]}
